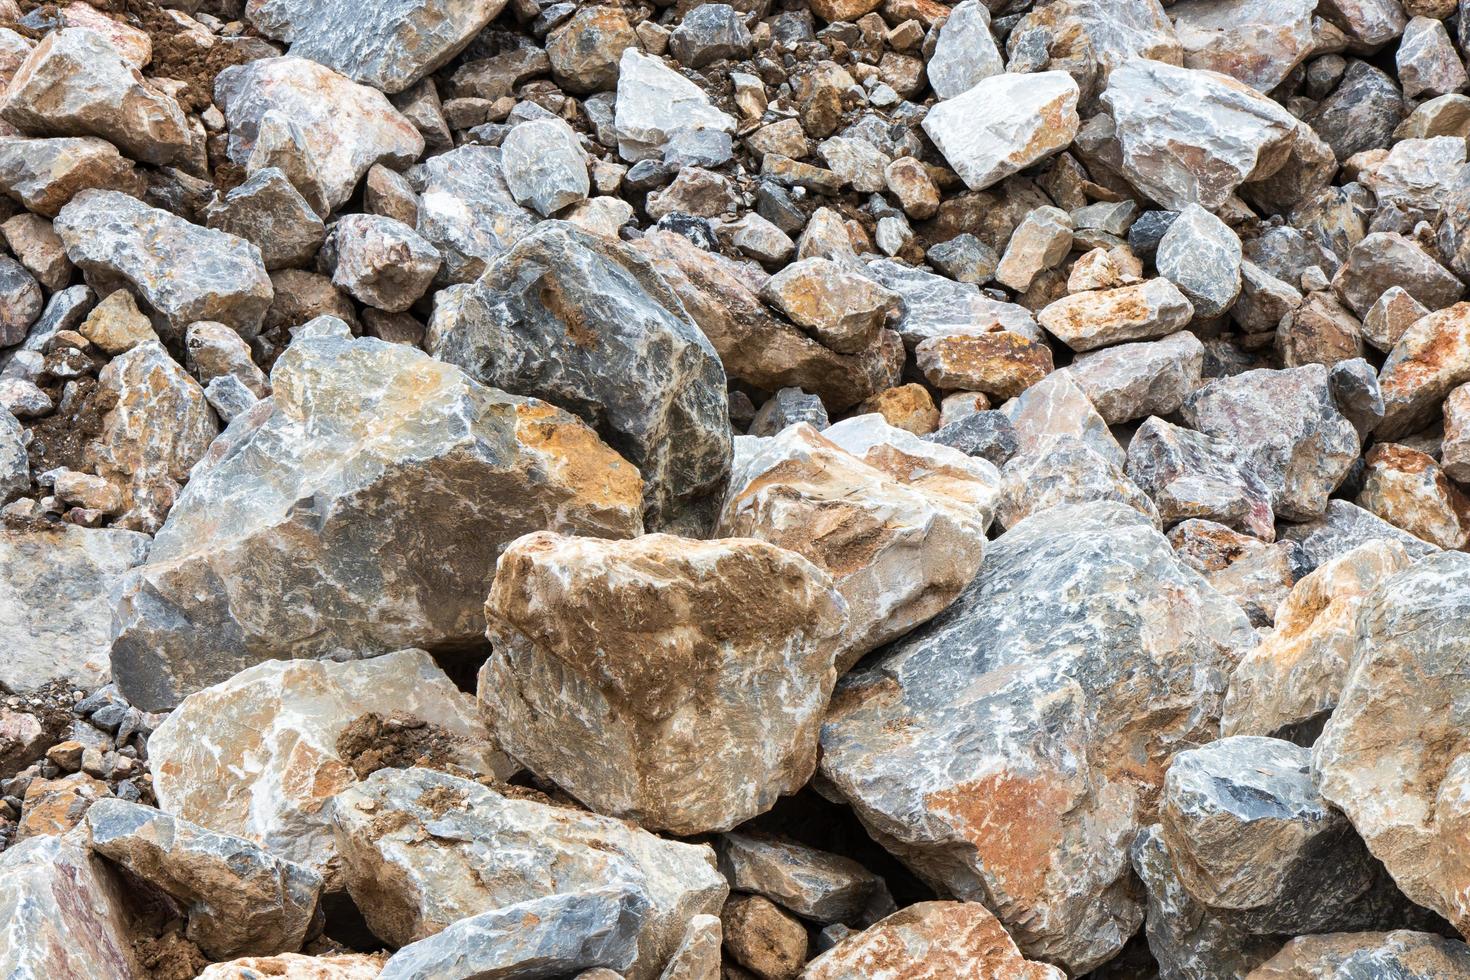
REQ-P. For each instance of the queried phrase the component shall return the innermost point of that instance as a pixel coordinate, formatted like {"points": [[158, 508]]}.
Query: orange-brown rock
{"points": [[1408, 489], [1001, 364], [909, 407]]}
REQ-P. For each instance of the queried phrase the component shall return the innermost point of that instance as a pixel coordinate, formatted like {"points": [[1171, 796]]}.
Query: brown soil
{"points": [[61, 438], [170, 957], [372, 742]]}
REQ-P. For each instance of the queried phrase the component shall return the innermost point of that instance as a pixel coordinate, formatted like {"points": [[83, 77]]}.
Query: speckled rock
{"points": [[697, 956], [545, 167], [1430, 360], [816, 885], [586, 323], [1035, 815], [1004, 124], [1091, 38], [488, 851], [1454, 456], [1257, 42], [296, 966], [788, 407], [181, 271], [356, 429], [1001, 364], [934, 306], [1384, 260], [842, 310], [467, 211], [1132, 381], [270, 213], [1145, 311], [965, 53], [726, 636], [15, 466], [20, 301], [1408, 489], [764, 938], [1343, 527], [1412, 955], [1064, 469], [259, 755], [1057, 406], [1189, 475], [389, 45], [241, 900], [44, 174], [381, 262]]}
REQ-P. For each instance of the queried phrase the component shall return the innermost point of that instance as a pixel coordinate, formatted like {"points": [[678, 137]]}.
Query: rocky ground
{"points": [[824, 489]]}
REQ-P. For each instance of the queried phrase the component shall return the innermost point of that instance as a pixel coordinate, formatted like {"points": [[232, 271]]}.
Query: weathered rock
{"points": [[55, 602], [760, 936], [259, 755], [389, 46], [697, 956], [487, 851], [380, 261], [1004, 124], [1190, 475], [554, 935], [1390, 317], [1064, 469], [584, 53], [1265, 301], [1040, 242], [75, 83], [545, 167], [38, 248], [930, 941], [1085, 321], [965, 53], [241, 900], [585, 322], [1430, 360], [44, 174], [467, 211], [1343, 527], [270, 213], [181, 271], [1427, 61], [356, 429], [788, 407], [53, 807], [1412, 955], [1202, 256], [1257, 42], [295, 966], [213, 350], [1132, 381], [1001, 364], [908, 407], [1320, 331], [654, 102], [934, 306], [816, 885], [1034, 816], [280, 144], [1408, 489], [1057, 406], [1090, 38], [714, 622], [1454, 455], [1362, 112], [1383, 260], [1297, 672], [708, 33], [842, 310], [1257, 575], [898, 551], [20, 301], [346, 126], [15, 466]]}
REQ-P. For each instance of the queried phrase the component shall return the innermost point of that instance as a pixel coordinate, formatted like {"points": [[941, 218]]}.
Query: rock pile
{"points": [[777, 489]]}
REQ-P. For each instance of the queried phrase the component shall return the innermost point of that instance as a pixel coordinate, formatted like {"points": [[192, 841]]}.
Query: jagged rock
{"points": [[934, 306], [487, 851], [1132, 381], [181, 271], [927, 941], [1429, 361], [1036, 814], [1411, 955], [697, 956], [259, 755], [75, 83], [15, 466], [241, 900], [585, 322], [1001, 364], [356, 429], [63, 914], [38, 248], [1189, 475], [815, 885], [1283, 428], [1004, 124], [553, 935], [280, 144], [965, 53], [763, 938], [389, 46], [381, 262], [1297, 672], [20, 301], [53, 807], [1146, 311], [1194, 137], [788, 407], [1056, 406], [1454, 455], [1343, 527], [908, 407], [654, 102], [1257, 42], [116, 326], [467, 211], [898, 550], [709, 33], [1390, 317], [1039, 243], [213, 350], [545, 167], [1265, 301], [1408, 489], [1257, 575], [347, 127], [1362, 112], [1064, 469], [1391, 756], [295, 966], [1090, 38], [584, 52], [1427, 61], [617, 715], [1319, 331], [1202, 256], [842, 310], [44, 174], [55, 601], [1383, 260], [270, 213]]}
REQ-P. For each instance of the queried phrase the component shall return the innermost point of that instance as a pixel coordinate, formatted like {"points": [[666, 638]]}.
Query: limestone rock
{"points": [[1455, 449], [1408, 489], [1145, 311], [20, 301], [788, 407], [966, 53], [1257, 42], [381, 262], [1056, 406], [585, 322], [1416, 955], [1343, 527], [1060, 762], [760, 936], [1257, 575], [1001, 364], [934, 306], [842, 310], [1189, 475], [1132, 381], [816, 885], [487, 851], [259, 755], [585, 51], [1384, 260], [295, 966], [697, 956], [545, 167], [1430, 360], [466, 210], [614, 663], [1202, 256], [116, 326], [654, 102], [15, 466], [181, 271], [44, 174], [1091, 38], [1064, 469], [270, 213], [356, 430], [1004, 124]]}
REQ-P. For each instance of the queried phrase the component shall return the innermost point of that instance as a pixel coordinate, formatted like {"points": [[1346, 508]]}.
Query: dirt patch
{"points": [[61, 438], [372, 742], [170, 957]]}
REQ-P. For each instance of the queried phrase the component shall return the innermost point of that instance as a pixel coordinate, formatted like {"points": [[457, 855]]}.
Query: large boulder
{"points": [[587, 324], [359, 510], [1074, 666], [619, 666]]}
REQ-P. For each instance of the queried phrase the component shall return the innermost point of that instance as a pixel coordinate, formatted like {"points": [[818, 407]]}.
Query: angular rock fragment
{"points": [[698, 955], [816, 885], [545, 168], [844, 311], [1063, 469], [763, 938], [1343, 527], [1202, 256], [1257, 42], [1319, 331], [381, 262], [1000, 364], [1427, 61], [1402, 953], [934, 306], [965, 53], [281, 145], [1090, 38], [1384, 260], [296, 966], [654, 102], [1004, 124], [1189, 475], [467, 211], [708, 33], [44, 174], [1257, 575], [1132, 381], [787, 407], [1390, 316], [1408, 489], [356, 429], [20, 301], [1057, 406], [1430, 360], [1363, 111], [1454, 456], [270, 213], [1085, 321]]}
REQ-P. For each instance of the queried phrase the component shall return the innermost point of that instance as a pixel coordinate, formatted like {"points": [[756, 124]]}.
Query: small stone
{"points": [[654, 101], [1133, 381], [859, 163], [1202, 256], [1362, 112], [1000, 364], [545, 167], [785, 408], [695, 191], [966, 53], [381, 262], [270, 213], [840, 308], [229, 397], [1004, 124], [15, 466], [54, 806], [909, 407], [1355, 389], [910, 183], [1455, 449], [1320, 331], [697, 957], [585, 52], [281, 145], [1057, 406], [987, 435], [21, 301], [1383, 260], [768, 941], [38, 247], [387, 192], [964, 258], [1149, 310], [816, 885], [710, 32], [296, 966], [1427, 61], [213, 350], [1040, 242], [758, 238], [466, 211]]}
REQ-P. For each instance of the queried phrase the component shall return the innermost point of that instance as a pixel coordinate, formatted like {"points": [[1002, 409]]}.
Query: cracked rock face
{"points": [[589, 638], [295, 497]]}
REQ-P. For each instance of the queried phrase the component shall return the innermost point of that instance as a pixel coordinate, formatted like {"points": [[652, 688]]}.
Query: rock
{"points": [[213, 350], [815, 885], [381, 262], [1429, 361], [1202, 256], [1000, 364], [1190, 475], [269, 212], [1389, 755], [1361, 113], [545, 167], [1004, 124], [707, 619], [1455, 449], [75, 83], [585, 52], [930, 940], [181, 271], [467, 212], [389, 46], [1040, 242], [44, 174], [771, 943], [585, 322], [697, 956], [1343, 527], [654, 102], [1265, 301], [1257, 575], [1233, 134], [1054, 744], [1384, 260], [1145, 311], [1320, 331], [1091, 38], [553, 935], [909, 181], [488, 851], [347, 127], [1400, 953], [295, 966], [710, 32], [63, 913], [1283, 428], [1064, 469], [1297, 673], [1132, 381], [966, 53], [1252, 41], [39, 249], [934, 306], [1408, 489], [15, 465], [758, 238], [965, 259], [280, 144], [1427, 61], [788, 407], [356, 429], [55, 602], [842, 310], [1390, 317], [909, 407], [1057, 406], [20, 301], [897, 550], [241, 900]]}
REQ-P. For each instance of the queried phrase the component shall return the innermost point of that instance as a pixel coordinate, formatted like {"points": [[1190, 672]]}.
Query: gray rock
{"points": [[362, 439], [841, 308], [1361, 113], [44, 174], [1264, 300], [1189, 475], [20, 301], [15, 465], [1257, 42], [269, 212], [1401, 953], [388, 45], [229, 397], [1039, 243], [381, 262], [815, 885], [1390, 317], [934, 306], [1025, 671], [964, 258], [1355, 390], [1384, 260], [988, 435], [466, 210], [1057, 406], [1344, 526], [544, 165], [1132, 381], [541, 937], [241, 900], [1202, 256], [710, 32], [786, 407], [654, 101], [1427, 61], [212, 350], [182, 272], [1060, 470], [1004, 124], [281, 145], [966, 53], [586, 323]]}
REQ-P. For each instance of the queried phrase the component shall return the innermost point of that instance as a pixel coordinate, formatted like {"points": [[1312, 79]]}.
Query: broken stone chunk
{"points": [[1085, 321], [381, 262], [1004, 124], [1202, 256], [1132, 381], [842, 309], [1408, 489], [545, 167], [1189, 475], [654, 102]]}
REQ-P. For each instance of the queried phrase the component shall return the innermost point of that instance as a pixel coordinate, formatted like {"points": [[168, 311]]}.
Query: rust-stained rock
{"points": [[841, 309], [1408, 489], [1146, 311], [1430, 360], [44, 174], [1257, 575], [1402, 953], [615, 665], [54, 806], [767, 940], [296, 966], [909, 407], [1000, 364]]}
